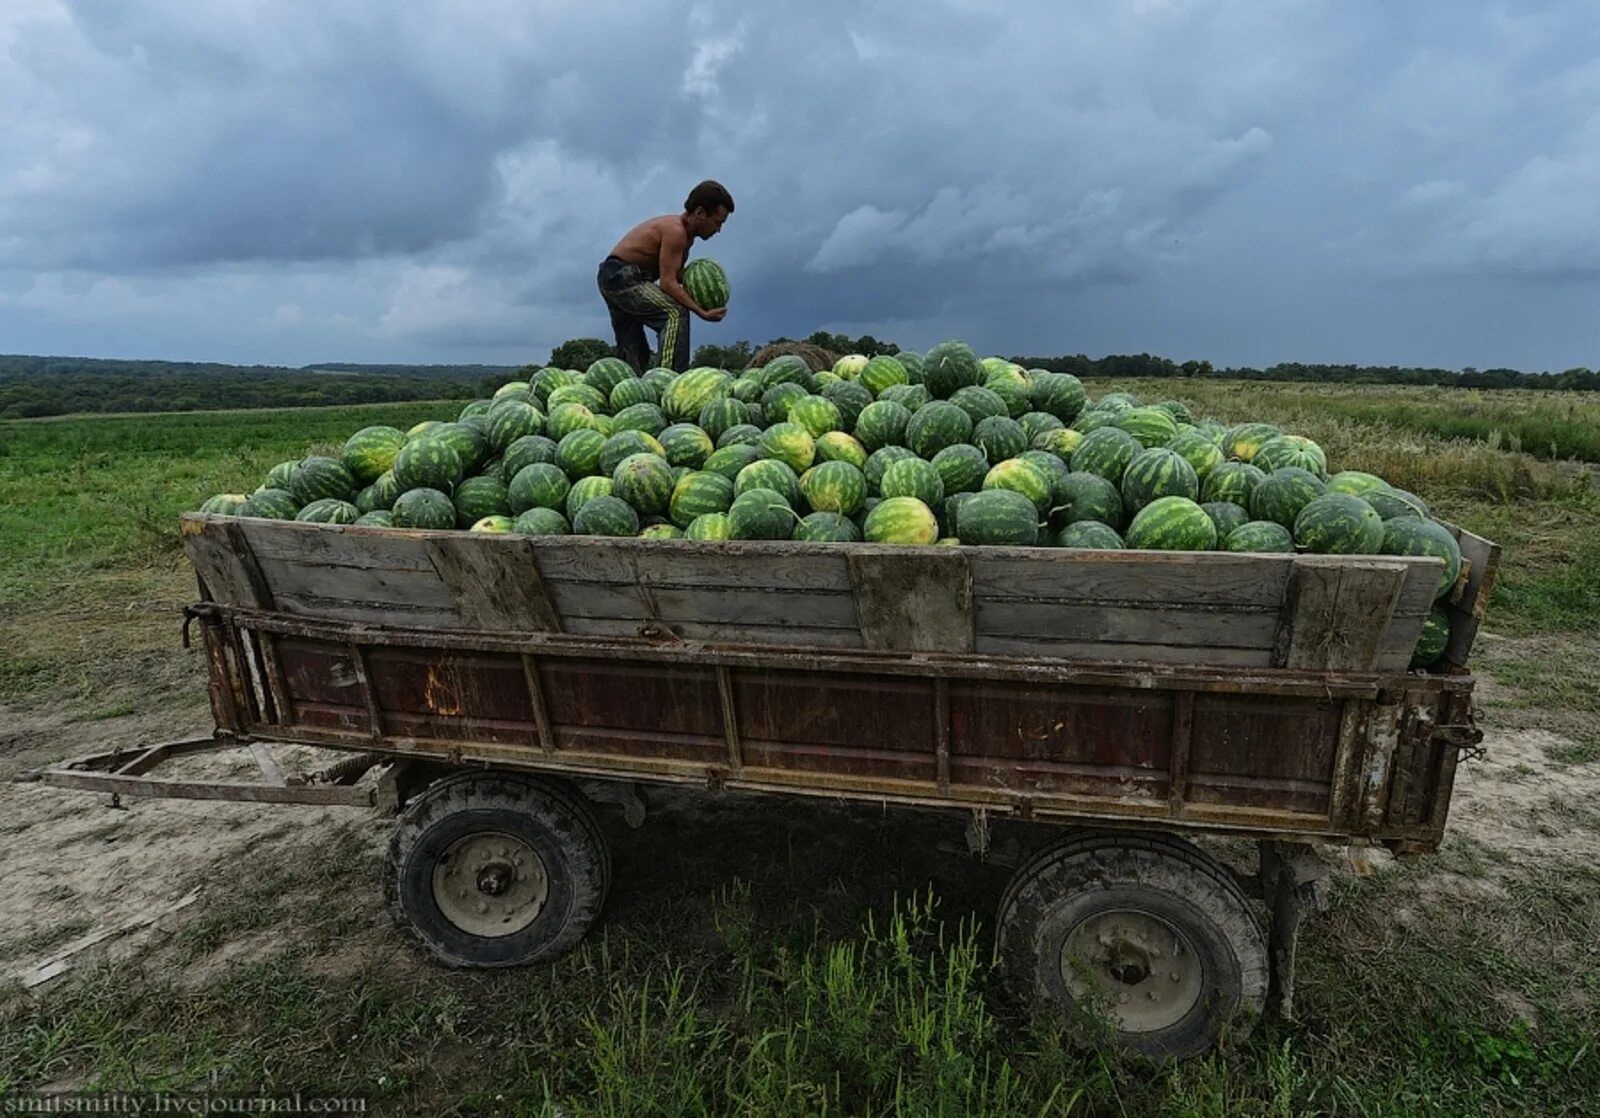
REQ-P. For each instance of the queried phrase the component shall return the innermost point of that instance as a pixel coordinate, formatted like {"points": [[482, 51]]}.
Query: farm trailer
{"points": [[501, 686]]}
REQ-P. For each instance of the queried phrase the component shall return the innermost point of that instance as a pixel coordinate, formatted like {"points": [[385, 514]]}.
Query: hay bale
{"points": [[815, 357]]}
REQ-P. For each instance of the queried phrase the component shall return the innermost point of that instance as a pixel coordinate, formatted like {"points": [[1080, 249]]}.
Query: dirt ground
{"points": [[87, 881]]}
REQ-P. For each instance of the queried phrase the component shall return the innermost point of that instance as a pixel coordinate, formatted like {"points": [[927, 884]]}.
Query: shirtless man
{"points": [[656, 250]]}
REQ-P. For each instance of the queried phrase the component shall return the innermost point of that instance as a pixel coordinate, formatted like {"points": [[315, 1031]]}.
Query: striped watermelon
{"points": [[935, 426], [711, 526], [1037, 423], [644, 481], [1021, 477], [706, 283], [1016, 395], [729, 460], [717, 416], [606, 516], [1046, 463], [850, 398], [1154, 473], [1172, 524], [961, 467], [224, 504], [909, 396], [630, 392], [1062, 442], [691, 391], [1405, 535], [998, 517], [1265, 536], [539, 485], [582, 394], [1091, 535], [788, 369], [510, 420], [949, 367], [514, 390], [525, 452], [623, 444], [1390, 503], [697, 494], [1433, 641], [370, 452], [423, 508], [567, 418], [644, 417], [835, 487], [1200, 452], [319, 476], [584, 490], [1226, 516], [1060, 395], [578, 453], [1081, 495], [604, 374], [912, 363], [377, 518], [494, 525], [769, 473], [1243, 440], [1151, 426], [776, 401], [686, 445], [879, 461], [836, 446], [826, 527], [1291, 450], [761, 514], [912, 477], [426, 462], [1356, 483], [790, 444], [980, 403], [281, 476], [882, 423], [999, 437], [478, 497], [883, 372], [816, 414], [900, 520], [1283, 493], [271, 504], [541, 522], [1338, 524], [661, 532], [1232, 481], [850, 366], [1105, 451]]}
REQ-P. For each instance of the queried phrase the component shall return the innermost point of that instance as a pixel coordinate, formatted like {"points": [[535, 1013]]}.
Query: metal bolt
{"points": [[1175, 977], [483, 908], [1122, 999]]}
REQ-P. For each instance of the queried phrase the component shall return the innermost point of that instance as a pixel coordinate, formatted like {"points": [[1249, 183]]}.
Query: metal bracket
{"points": [[978, 832]]}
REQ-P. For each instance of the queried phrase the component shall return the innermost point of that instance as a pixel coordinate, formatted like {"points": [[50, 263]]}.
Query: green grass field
{"points": [[782, 959]]}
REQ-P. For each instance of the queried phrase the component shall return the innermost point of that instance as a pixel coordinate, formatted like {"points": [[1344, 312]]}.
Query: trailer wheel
{"points": [[494, 870], [1145, 931]]}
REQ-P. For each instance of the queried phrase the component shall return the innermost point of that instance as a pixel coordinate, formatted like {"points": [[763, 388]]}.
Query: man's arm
{"points": [[674, 245]]}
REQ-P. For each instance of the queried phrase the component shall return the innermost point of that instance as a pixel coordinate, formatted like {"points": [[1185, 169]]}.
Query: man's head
{"points": [[706, 208]]}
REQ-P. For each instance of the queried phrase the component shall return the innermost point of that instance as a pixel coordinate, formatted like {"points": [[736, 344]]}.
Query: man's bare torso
{"points": [[641, 245]]}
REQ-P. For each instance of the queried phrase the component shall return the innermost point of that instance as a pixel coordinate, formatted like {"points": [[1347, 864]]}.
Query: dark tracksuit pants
{"points": [[635, 302]]}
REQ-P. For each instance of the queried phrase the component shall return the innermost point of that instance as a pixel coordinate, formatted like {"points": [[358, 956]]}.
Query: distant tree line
{"points": [[27, 396], [1144, 365]]}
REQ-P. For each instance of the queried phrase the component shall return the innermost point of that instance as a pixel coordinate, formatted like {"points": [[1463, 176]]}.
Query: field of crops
{"points": [[770, 958]]}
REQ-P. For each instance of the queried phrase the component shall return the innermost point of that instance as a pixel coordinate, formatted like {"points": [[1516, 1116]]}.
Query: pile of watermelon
{"points": [[941, 448]]}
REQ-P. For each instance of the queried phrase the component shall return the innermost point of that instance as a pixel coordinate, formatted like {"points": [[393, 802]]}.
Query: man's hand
{"points": [[714, 315]]}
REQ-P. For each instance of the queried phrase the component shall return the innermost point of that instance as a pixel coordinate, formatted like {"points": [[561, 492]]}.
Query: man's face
{"points": [[709, 224]]}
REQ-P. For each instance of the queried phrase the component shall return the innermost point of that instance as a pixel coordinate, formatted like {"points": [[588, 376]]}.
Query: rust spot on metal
{"points": [[440, 695]]}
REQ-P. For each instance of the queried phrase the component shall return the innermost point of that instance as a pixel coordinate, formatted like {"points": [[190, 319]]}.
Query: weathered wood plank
{"points": [[1137, 577], [724, 633], [494, 583], [367, 585], [915, 603], [806, 609], [747, 565], [1043, 648], [223, 558], [417, 615], [1169, 624], [1338, 608], [1404, 628], [1467, 607], [339, 545]]}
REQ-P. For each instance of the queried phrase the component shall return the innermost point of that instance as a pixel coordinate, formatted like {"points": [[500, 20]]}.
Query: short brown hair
{"points": [[708, 196]]}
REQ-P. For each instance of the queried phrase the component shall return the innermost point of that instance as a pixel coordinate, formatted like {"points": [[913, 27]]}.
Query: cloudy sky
{"points": [[1249, 181]]}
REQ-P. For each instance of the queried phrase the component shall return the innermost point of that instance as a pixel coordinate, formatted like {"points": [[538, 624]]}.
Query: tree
{"points": [[580, 353], [735, 357]]}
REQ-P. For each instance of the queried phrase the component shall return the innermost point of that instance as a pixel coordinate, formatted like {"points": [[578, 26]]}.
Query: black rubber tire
{"points": [[546, 814], [1091, 872]]}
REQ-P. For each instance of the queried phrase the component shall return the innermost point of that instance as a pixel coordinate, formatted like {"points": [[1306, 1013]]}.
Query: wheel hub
{"points": [[1136, 966], [490, 884]]}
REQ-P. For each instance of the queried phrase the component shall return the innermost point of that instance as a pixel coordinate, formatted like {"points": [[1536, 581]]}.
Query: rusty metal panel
{"points": [[837, 723], [1263, 751]]}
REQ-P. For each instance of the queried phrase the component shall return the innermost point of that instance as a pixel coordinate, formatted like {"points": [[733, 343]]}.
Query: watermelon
{"points": [[760, 514], [1090, 534], [567, 418], [1118, 402], [467, 441], [948, 368], [851, 399], [1151, 426], [1200, 452], [605, 373], [478, 497], [999, 437], [513, 390], [836, 446], [644, 417], [1283, 493], [912, 363], [658, 378], [1081, 496], [1212, 430], [748, 388], [281, 476], [510, 420], [731, 459], [961, 467], [717, 416], [691, 391], [271, 504], [879, 461], [546, 381], [224, 504], [1390, 503], [1016, 395], [318, 476], [998, 517], [816, 414], [1338, 524], [525, 452], [935, 426], [479, 423], [1093, 419], [980, 403], [606, 516], [644, 481], [377, 518], [1231, 481], [578, 452], [836, 487], [426, 427], [900, 520], [882, 423], [381, 494], [631, 393], [1243, 440], [912, 477], [623, 444], [1036, 423], [790, 444], [1058, 394], [706, 283], [1291, 450], [581, 394], [1062, 442], [584, 490], [909, 396], [424, 508], [1435, 636], [1226, 516], [1177, 409], [685, 444], [1355, 483], [769, 473], [1172, 524], [742, 434], [541, 522], [699, 493], [1260, 536], [850, 366], [1154, 473], [1046, 463], [538, 485], [496, 525], [1105, 451], [370, 452], [826, 527], [1404, 535], [1021, 477], [711, 526], [661, 532], [883, 372], [788, 369]]}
